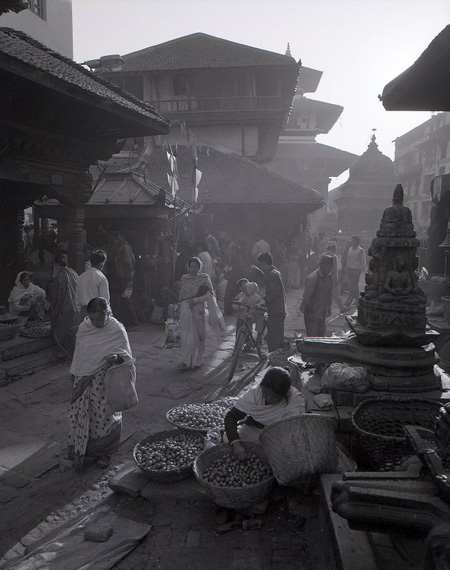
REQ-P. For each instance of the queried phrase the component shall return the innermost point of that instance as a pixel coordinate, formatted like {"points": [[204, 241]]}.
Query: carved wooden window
{"points": [[37, 7]]}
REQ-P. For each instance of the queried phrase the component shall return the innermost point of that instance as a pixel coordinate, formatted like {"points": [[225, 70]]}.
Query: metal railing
{"points": [[215, 104]]}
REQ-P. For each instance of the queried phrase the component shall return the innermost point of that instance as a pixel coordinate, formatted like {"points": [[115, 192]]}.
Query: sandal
{"points": [[104, 461], [183, 366]]}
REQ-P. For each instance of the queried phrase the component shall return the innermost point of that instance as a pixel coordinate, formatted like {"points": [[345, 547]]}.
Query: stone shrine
{"points": [[390, 334]]}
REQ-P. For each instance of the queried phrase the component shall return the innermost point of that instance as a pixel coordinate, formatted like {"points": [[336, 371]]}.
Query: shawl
{"points": [[19, 291], [94, 345], [190, 285], [252, 404]]}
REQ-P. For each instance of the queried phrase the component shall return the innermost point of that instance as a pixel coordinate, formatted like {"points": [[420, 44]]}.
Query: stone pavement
{"points": [[39, 490]]}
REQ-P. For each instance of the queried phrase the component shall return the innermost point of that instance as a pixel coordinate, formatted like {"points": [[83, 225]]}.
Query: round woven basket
{"points": [[300, 447], [380, 442], [232, 497], [226, 403], [164, 476], [9, 332]]}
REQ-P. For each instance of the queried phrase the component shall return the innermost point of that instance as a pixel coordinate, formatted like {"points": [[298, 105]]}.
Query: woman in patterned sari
{"points": [[196, 289], [101, 342]]}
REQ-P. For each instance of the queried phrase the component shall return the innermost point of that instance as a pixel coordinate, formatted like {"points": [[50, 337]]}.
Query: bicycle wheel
{"points": [[238, 346]]}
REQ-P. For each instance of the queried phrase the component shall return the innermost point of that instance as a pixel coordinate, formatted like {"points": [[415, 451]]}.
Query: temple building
{"points": [[299, 156], [361, 200]]}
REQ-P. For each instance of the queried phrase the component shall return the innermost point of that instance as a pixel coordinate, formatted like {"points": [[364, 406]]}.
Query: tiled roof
{"points": [[201, 51], [336, 160], [15, 45], [229, 178]]}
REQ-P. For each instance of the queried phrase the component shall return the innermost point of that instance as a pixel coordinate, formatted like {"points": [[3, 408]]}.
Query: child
{"points": [[249, 296]]}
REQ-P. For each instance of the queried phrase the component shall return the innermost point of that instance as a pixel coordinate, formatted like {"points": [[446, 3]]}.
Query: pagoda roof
{"points": [[425, 86], [337, 160], [199, 50], [24, 56], [229, 178], [327, 115]]}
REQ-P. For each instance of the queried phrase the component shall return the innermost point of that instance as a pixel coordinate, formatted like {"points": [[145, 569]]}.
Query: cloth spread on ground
{"points": [[94, 344], [66, 547]]}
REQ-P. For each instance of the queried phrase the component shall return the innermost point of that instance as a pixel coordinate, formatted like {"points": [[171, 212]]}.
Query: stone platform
{"points": [[23, 356], [394, 369]]}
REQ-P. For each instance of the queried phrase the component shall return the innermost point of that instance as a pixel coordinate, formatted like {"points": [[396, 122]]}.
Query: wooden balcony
{"points": [[222, 105]]}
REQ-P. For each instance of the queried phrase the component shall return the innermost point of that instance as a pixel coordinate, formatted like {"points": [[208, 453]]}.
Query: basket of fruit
{"points": [[168, 456], [37, 329], [232, 483], [201, 417], [8, 330]]}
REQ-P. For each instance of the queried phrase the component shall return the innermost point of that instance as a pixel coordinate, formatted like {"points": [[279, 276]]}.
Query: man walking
{"points": [[353, 263], [63, 310], [274, 299], [331, 252], [92, 283], [317, 297]]}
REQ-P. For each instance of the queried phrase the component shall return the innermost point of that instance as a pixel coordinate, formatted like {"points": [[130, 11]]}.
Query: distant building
{"points": [[299, 156], [227, 103], [361, 200], [48, 21], [421, 154]]}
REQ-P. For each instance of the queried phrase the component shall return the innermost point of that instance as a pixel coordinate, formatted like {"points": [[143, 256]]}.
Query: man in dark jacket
{"points": [[317, 297], [274, 299]]}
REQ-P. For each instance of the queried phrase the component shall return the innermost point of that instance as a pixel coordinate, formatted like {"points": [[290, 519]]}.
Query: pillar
{"points": [[76, 238]]}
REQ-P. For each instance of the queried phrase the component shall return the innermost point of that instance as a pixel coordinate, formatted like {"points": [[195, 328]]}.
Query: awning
{"points": [[425, 86]]}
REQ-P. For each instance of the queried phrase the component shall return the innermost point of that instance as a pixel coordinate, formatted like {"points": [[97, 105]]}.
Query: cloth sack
{"points": [[341, 376], [120, 386]]}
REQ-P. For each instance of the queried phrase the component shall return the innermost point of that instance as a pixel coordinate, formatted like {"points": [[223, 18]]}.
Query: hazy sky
{"points": [[360, 45]]}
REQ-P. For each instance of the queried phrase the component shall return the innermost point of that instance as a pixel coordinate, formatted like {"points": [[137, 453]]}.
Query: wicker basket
{"points": [[171, 476], [379, 442], [232, 497], [9, 332], [300, 447], [226, 403]]}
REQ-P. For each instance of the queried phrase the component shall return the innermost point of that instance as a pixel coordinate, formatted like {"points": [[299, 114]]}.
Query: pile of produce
{"points": [[202, 417], [229, 471], [37, 329], [170, 454], [7, 325]]}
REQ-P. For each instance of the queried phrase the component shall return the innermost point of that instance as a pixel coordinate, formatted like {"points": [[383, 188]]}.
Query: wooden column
{"points": [[76, 237]]}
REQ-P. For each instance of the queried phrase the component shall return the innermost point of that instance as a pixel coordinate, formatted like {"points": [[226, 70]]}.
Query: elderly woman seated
{"points": [[27, 299]]}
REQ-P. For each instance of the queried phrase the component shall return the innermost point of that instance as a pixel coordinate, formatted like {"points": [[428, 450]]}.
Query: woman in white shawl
{"points": [[196, 289], [27, 299], [101, 342], [273, 399]]}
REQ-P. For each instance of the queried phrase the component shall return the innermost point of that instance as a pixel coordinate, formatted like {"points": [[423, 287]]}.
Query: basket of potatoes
{"points": [[201, 417], [168, 456], [233, 483]]}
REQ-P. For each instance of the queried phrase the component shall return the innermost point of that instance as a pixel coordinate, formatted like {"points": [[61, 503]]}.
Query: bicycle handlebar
{"points": [[259, 307]]}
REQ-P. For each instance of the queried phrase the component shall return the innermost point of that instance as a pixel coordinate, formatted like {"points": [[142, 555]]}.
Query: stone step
{"points": [[20, 346], [12, 370]]}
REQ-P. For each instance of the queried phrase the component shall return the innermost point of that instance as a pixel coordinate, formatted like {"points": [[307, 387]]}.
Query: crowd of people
{"points": [[212, 277]]}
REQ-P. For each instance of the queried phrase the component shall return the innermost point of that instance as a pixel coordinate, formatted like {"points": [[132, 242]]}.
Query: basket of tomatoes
{"points": [[233, 483], [201, 417], [168, 456]]}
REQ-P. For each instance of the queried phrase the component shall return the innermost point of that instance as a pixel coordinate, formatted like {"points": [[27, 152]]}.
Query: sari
{"points": [[192, 319], [94, 430], [64, 313]]}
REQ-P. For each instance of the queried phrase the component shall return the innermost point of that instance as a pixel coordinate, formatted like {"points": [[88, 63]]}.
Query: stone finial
{"points": [[288, 50], [397, 198]]}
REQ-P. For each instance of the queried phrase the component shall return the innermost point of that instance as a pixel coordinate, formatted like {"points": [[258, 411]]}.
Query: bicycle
{"points": [[244, 336]]}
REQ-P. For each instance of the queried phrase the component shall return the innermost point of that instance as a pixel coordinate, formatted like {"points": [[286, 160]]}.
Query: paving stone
{"points": [[252, 539], [178, 539], [189, 489], [164, 513], [7, 495], [193, 539], [129, 480], [14, 479], [250, 560]]}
